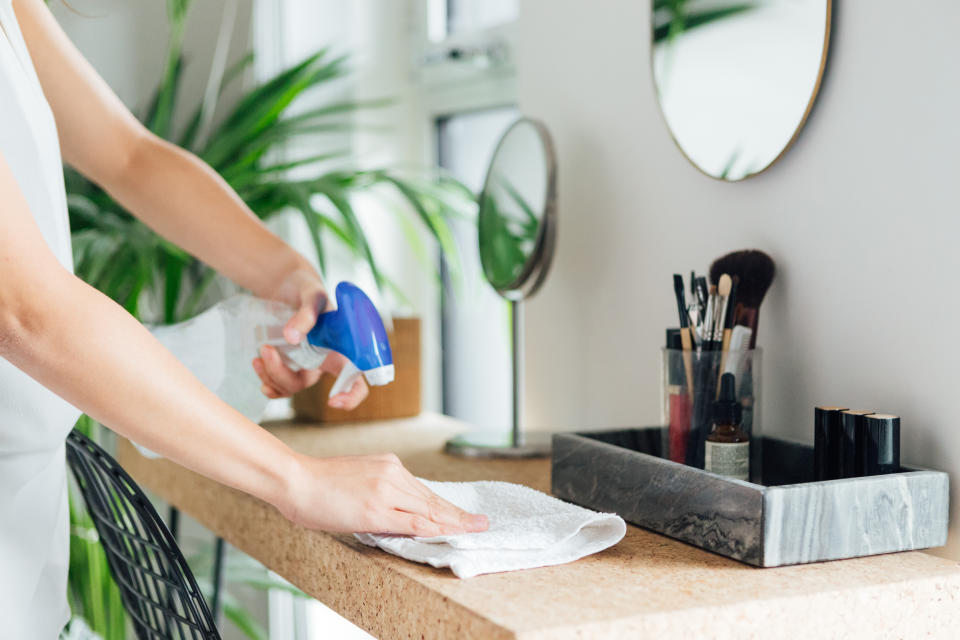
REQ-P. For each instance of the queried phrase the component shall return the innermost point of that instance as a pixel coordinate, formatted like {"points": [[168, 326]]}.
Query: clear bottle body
{"points": [[219, 345]]}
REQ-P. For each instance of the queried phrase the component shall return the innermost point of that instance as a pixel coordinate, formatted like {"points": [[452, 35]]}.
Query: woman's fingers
{"points": [[374, 494], [420, 500], [270, 392], [312, 301], [418, 505], [284, 381], [267, 388], [333, 364], [350, 399], [447, 511], [280, 374], [442, 512], [409, 524], [272, 371]]}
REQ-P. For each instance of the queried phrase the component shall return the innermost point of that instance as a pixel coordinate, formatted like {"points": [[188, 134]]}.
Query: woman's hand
{"points": [[303, 289], [371, 494]]}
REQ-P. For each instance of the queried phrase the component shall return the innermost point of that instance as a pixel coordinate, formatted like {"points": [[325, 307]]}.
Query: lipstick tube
{"points": [[827, 441], [851, 454], [880, 449]]}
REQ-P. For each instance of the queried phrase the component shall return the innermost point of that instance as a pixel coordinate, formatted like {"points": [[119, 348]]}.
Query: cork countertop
{"points": [[646, 586]]}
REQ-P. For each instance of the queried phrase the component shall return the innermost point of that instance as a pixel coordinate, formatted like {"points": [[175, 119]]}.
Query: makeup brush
{"points": [[710, 341], [702, 299], [723, 295], [727, 326], [755, 271], [728, 317], [695, 306], [702, 291], [685, 340], [703, 379]]}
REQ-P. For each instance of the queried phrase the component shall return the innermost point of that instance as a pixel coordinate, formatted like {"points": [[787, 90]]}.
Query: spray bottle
{"points": [[219, 344]]}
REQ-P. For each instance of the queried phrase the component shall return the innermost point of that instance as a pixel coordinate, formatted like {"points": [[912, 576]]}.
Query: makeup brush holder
{"points": [[689, 383]]}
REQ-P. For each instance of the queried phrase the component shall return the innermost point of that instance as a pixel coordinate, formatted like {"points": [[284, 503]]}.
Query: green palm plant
{"points": [[673, 17], [123, 258], [91, 590]]}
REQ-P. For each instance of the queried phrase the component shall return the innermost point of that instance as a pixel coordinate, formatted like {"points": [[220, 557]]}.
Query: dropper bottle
{"points": [[727, 448]]}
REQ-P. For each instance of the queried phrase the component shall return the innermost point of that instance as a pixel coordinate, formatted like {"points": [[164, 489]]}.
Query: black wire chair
{"points": [[159, 591]]}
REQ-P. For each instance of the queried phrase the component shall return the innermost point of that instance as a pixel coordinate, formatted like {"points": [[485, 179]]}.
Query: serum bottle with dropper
{"points": [[727, 448]]}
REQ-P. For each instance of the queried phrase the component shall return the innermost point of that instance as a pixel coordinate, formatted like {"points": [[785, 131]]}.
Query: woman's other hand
{"points": [[371, 494], [304, 290]]}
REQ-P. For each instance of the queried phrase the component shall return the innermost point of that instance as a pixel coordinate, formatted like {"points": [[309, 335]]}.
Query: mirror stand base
{"points": [[498, 444]]}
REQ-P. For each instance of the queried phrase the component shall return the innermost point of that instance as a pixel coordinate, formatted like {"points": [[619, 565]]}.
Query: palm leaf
{"points": [[172, 278], [680, 21], [159, 115], [237, 177], [301, 200], [339, 198], [431, 219], [235, 70], [263, 106]]}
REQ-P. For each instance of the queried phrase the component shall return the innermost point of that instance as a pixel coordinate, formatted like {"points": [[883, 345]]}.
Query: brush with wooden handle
{"points": [[730, 285]]}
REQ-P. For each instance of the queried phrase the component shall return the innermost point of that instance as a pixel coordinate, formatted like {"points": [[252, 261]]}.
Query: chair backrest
{"points": [[159, 591]]}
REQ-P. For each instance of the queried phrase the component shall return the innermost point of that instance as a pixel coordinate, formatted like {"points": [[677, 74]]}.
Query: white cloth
{"points": [[527, 529], [34, 422]]}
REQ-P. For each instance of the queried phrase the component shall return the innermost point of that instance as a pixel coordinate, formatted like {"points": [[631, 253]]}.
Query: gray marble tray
{"points": [[789, 519]]}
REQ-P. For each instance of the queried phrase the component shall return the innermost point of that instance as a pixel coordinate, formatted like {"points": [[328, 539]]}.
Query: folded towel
{"points": [[527, 529]]}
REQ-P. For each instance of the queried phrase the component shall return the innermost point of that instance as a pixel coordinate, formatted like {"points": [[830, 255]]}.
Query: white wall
{"points": [[126, 41], [861, 217]]}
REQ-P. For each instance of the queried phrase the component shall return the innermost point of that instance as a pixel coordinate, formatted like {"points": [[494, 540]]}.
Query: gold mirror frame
{"points": [[815, 91]]}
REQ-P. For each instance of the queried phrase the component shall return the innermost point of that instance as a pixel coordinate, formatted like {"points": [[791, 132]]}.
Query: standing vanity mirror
{"points": [[516, 226], [736, 79]]}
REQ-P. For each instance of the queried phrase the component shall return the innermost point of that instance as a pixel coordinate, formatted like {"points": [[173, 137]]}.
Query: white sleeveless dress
{"points": [[34, 422]]}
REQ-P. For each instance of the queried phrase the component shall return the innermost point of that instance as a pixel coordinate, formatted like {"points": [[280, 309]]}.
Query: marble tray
{"points": [[789, 519]]}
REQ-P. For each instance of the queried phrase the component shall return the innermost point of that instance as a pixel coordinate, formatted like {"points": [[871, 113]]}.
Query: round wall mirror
{"points": [[516, 228], [736, 80]]}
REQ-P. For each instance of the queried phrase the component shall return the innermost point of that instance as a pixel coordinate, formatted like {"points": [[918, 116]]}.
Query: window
{"points": [[449, 17]]}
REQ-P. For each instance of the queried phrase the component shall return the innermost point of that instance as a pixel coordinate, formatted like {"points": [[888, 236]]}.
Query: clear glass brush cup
{"points": [[689, 384]]}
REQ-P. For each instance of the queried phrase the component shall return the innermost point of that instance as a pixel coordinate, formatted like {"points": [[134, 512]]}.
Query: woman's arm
{"points": [[175, 194], [84, 347], [171, 190]]}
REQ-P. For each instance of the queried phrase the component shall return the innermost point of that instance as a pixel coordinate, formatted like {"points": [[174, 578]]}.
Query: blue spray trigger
{"points": [[355, 331]]}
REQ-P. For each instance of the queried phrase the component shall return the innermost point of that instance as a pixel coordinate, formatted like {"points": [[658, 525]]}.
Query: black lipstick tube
{"points": [[880, 448], [827, 442], [851, 453]]}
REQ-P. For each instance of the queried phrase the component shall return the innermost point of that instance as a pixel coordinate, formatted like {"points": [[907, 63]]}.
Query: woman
{"points": [[67, 348]]}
